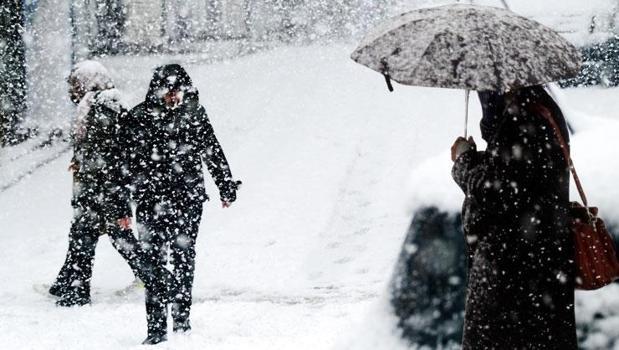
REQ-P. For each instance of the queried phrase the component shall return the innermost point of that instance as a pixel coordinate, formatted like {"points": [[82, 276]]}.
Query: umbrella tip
{"points": [[388, 81]]}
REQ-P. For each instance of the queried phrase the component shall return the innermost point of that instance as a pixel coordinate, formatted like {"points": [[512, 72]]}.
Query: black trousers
{"points": [[168, 230], [91, 221]]}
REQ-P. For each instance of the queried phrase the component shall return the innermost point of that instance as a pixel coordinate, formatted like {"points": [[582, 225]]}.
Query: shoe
{"points": [[73, 298], [57, 290], [155, 338], [181, 327]]}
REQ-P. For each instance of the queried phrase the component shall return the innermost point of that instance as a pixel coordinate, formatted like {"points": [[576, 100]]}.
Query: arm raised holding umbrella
{"points": [[520, 291]]}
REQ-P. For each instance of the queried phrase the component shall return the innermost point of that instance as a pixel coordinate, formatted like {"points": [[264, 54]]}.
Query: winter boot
{"points": [[181, 326], [155, 338], [74, 297], [156, 319], [180, 315], [63, 280], [57, 289]]}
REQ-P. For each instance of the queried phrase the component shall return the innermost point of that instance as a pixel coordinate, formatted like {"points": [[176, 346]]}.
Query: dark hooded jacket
{"points": [[165, 147], [97, 157], [520, 291]]}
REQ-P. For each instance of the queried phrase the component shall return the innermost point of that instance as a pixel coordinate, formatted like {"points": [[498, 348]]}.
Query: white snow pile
{"points": [[597, 318]]}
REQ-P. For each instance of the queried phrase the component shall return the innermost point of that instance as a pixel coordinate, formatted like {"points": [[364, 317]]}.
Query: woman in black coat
{"points": [[167, 139], [520, 291]]}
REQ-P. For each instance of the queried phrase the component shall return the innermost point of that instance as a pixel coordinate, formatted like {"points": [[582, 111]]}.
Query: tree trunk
{"points": [[12, 71], [110, 25]]}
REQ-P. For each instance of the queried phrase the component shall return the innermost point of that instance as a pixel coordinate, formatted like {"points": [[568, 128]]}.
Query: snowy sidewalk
{"points": [[309, 244], [19, 161], [325, 154]]}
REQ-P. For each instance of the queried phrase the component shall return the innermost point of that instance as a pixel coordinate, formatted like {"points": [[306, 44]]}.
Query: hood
{"points": [[492, 107], [495, 104], [92, 75], [166, 78]]}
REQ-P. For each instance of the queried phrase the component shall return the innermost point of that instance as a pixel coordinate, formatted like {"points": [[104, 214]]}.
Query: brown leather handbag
{"points": [[596, 260]]}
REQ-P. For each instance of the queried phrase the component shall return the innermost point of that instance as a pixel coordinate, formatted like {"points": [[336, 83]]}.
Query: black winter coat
{"points": [[165, 147], [520, 287], [98, 182]]}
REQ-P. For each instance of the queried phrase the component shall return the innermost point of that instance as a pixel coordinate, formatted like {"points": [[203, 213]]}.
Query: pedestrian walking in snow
{"points": [[100, 199], [515, 216], [168, 137]]}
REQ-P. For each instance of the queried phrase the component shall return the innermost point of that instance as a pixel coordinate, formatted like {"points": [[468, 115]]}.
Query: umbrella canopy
{"points": [[467, 47]]}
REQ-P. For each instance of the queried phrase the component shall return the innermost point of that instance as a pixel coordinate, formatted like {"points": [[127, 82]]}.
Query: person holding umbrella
{"points": [[520, 292], [515, 217]]}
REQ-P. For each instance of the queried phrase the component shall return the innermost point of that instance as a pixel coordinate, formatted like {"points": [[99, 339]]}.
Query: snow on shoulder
{"points": [[112, 99]]}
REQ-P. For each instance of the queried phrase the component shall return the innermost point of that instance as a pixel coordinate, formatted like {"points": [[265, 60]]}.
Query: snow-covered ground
{"points": [[324, 152], [303, 258]]}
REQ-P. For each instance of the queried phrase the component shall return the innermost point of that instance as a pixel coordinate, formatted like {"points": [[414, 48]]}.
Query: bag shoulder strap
{"points": [[564, 147]]}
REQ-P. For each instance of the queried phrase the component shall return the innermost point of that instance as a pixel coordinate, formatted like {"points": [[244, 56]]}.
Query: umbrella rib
{"points": [[425, 52], [478, 44], [386, 32], [495, 67]]}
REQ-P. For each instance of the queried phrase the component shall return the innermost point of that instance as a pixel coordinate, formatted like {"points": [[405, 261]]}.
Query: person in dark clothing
{"points": [[100, 199], [520, 292], [169, 137]]}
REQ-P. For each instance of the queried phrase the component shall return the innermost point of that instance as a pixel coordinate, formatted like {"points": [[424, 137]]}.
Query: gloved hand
{"points": [[228, 192], [462, 145]]}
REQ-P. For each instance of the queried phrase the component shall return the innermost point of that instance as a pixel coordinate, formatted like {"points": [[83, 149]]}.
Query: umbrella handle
{"points": [[467, 92], [388, 81], [385, 71]]}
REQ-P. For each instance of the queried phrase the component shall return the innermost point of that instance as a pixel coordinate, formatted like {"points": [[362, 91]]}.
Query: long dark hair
{"points": [[492, 107], [494, 103], [537, 95]]}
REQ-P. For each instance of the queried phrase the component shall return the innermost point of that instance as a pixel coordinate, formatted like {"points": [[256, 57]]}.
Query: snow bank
{"points": [[431, 185], [374, 332]]}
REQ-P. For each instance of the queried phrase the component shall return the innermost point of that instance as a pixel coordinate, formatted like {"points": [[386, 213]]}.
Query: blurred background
{"points": [[40, 39]]}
